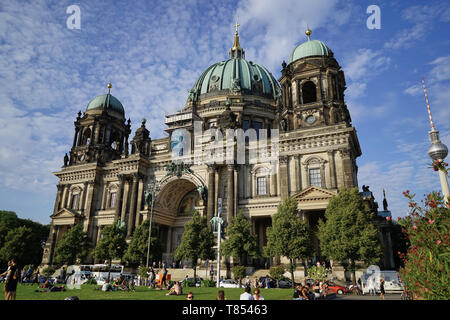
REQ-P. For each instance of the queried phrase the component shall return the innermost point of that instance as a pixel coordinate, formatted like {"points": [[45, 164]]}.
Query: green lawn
{"points": [[88, 292]]}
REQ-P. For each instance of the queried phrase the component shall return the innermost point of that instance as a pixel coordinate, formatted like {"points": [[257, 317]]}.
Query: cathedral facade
{"points": [[105, 176]]}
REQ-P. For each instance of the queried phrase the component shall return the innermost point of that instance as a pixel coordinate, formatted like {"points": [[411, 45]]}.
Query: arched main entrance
{"points": [[177, 200]]}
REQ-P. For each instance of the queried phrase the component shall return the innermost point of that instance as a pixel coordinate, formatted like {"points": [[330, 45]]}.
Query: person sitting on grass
{"points": [[175, 290], [107, 286], [221, 295]]}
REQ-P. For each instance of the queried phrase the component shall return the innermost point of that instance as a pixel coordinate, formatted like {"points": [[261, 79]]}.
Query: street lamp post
{"points": [[152, 189], [217, 222]]}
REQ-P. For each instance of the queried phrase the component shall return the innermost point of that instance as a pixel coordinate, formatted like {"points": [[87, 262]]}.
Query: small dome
{"points": [[308, 49], [238, 74], [106, 101]]}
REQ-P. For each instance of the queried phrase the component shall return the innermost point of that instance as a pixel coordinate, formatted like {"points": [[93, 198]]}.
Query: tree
{"points": [[197, 242], [138, 247], [112, 244], [426, 263], [240, 242], [277, 272], [289, 236], [318, 273], [18, 244], [72, 246], [39, 233], [349, 231], [239, 273]]}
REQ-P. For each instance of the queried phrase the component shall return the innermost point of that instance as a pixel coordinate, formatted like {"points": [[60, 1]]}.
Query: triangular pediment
{"points": [[65, 213], [314, 193]]}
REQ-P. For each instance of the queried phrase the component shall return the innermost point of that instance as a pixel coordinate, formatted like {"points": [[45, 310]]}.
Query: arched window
{"points": [[309, 92], [86, 136]]}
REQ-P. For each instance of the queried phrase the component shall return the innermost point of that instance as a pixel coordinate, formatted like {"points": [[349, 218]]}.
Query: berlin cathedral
{"points": [[105, 174]]}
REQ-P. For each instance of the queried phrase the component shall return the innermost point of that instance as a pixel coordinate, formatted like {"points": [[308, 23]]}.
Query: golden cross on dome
{"points": [[237, 25]]}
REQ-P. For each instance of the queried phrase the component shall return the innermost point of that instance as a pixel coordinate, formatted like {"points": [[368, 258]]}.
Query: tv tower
{"points": [[437, 151]]}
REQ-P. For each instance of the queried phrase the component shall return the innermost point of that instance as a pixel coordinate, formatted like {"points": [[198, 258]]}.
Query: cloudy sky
{"points": [[153, 51]]}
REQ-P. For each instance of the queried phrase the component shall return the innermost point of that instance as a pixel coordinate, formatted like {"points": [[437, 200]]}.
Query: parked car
{"points": [[335, 288], [228, 283], [284, 283]]}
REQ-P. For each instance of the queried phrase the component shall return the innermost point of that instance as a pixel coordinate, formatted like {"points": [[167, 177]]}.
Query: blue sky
{"points": [[153, 52]]}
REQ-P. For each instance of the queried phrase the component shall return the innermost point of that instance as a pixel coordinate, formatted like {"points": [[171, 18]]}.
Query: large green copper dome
{"points": [[236, 75], [106, 101], [252, 78], [309, 48]]}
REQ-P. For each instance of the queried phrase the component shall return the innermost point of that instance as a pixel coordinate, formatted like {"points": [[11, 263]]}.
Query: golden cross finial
{"points": [[308, 32], [237, 25], [109, 87]]}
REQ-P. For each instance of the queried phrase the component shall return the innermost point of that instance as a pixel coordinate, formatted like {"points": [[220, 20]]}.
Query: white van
{"points": [[391, 281]]}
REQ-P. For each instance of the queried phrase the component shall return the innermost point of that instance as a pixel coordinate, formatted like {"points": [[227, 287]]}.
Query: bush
{"points": [[426, 263], [317, 273], [239, 273], [208, 283], [91, 281], [277, 272], [47, 272], [188, 283]]}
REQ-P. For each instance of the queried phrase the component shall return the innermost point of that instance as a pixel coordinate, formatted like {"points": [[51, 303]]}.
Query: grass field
{"points": [[88, 292]]}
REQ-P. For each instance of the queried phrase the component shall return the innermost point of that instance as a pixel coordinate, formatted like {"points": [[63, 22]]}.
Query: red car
{"points": [[335, 288]]}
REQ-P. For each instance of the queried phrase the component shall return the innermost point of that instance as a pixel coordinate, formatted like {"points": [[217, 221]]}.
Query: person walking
{"points": [[164, 277], [11, 280], [381, 288]]}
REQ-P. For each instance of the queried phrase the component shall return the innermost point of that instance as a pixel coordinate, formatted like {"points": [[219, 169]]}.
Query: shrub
{"points": [[47, 272], [208, 283], [426, 263], [317, 273]]}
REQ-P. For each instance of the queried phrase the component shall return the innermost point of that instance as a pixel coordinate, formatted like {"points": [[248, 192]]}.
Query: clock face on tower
{"points": [[310, 119]]}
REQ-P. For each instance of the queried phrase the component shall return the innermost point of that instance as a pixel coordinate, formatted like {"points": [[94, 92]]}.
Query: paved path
{"points": [[389, 296]]}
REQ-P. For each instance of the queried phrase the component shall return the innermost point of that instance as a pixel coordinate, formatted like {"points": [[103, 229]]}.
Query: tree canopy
{"points": [[137, 249], [240, 242], [12, 239], [349, 232], [289, 235], [197, 241], [72, 246]]}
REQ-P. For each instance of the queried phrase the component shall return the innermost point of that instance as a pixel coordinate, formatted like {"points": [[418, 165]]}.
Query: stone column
{"points": [[273, 185], [80, 136], [284, 182], [126, 190], [65, 196], [119, 196], [249, 183], [211, 189], [83, 197], [139, 201], [169, 240], [90, 208], [57, 206], [332, 168], [132, 213], [104, 196], [230, 192], [75, 137], [347, 172]]}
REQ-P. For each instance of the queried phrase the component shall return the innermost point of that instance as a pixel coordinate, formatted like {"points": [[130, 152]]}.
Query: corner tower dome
{"points": [[236, 75], [106, 102], [309, 48]]}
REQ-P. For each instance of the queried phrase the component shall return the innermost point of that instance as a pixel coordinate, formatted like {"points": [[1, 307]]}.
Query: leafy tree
{"points": [[289, 236], [72, 246], [240, 242], [197, 242], [112, 244], [349, 231], [318, 273], [239, 273], [426, 263], [39, 233], [137, 249], [18, 244], [277, 272]]}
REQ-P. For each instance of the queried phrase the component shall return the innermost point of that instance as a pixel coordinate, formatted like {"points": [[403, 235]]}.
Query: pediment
{"points": [[314, 193], [65, 213]]}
